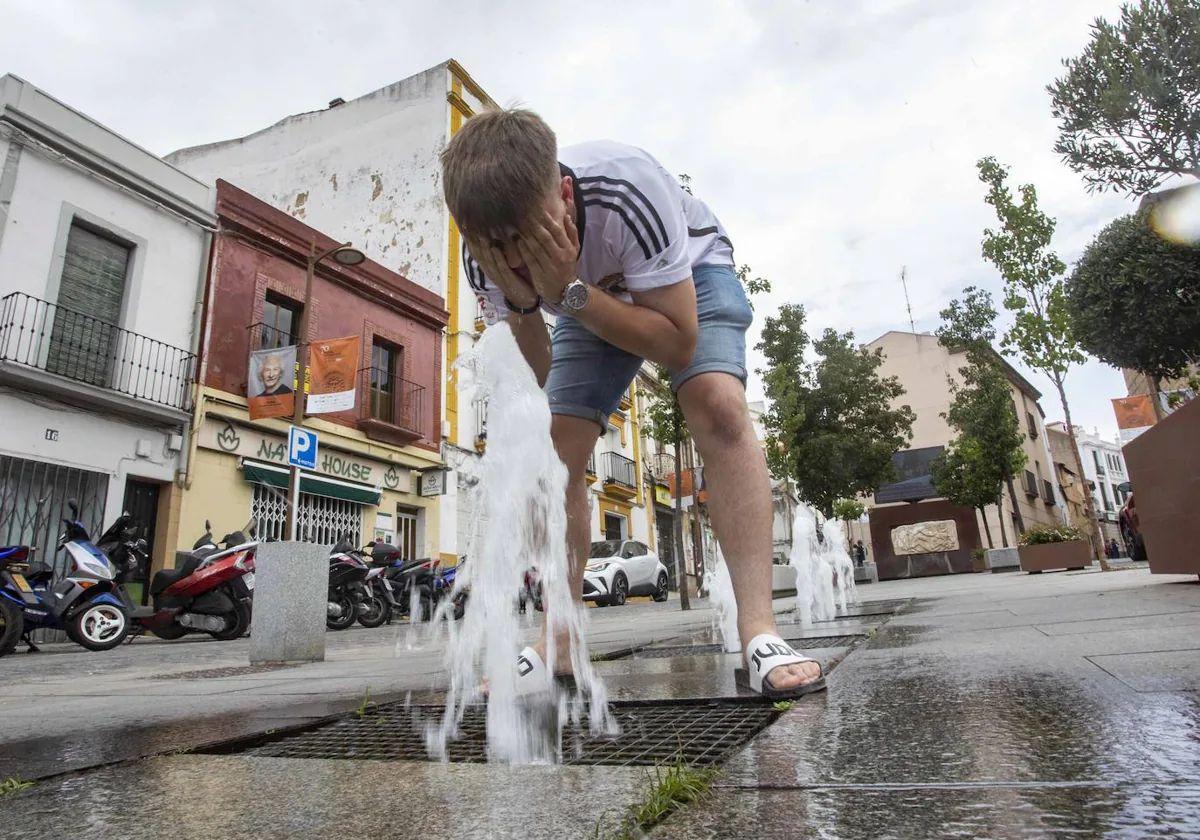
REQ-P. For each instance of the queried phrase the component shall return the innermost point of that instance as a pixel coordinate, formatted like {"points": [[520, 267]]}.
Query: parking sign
{"points": [[302, 448]]}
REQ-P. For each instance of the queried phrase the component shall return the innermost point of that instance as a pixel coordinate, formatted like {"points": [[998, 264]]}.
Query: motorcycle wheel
{"points": [[236, 624], [343, 600], [99, 627], [374, 612], [12, 625], [171, 632]]}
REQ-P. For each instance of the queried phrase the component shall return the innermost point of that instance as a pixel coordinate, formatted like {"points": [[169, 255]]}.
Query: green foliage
{"points": [[365, 704], [1042, 534], [783, 705], [754, 285], [1134, 299], [1127, 106], [978, 554], [969, 323], [664, 418], [848, 510], [1033, 288], [671, 787], [12, 785], [831, 426]]}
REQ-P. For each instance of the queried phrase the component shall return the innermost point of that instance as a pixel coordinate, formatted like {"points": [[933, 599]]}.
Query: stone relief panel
{"points": [[925, 537]]}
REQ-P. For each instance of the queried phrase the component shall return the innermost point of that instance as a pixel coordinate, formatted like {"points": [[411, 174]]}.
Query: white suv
{"points": [[619, 568]]}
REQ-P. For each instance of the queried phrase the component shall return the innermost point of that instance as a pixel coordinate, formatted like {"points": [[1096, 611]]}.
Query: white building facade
{"points": [[1104, 469], [102, 249]]}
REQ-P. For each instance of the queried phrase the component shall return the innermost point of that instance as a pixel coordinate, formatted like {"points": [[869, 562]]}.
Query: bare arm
{"points": [[660, 325], [534, 340]]}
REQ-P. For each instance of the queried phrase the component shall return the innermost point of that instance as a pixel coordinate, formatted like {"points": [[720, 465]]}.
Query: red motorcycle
{"points": [[210, 590]]}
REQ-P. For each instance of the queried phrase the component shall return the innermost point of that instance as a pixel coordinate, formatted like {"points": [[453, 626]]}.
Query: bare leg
{"points": [[574, 439], [739, 492]]}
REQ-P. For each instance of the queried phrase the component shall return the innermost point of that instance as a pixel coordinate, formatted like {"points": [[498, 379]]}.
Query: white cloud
{"points": [[837, 141]]}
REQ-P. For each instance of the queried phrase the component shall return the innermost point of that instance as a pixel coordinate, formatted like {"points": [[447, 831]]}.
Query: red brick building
{"points": [[371, 459]]}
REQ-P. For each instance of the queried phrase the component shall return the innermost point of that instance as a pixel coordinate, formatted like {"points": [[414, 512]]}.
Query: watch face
{"points": [[575, 296]]}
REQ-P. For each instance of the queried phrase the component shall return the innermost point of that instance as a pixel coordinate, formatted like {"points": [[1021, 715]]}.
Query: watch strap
{"points": [[512, 307]]}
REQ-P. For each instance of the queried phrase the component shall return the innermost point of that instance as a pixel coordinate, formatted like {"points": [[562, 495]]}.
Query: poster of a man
{"points": [[269, 381]]}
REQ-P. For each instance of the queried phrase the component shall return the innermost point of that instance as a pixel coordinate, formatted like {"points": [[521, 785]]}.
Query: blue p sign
{"points": [[302, 448]]}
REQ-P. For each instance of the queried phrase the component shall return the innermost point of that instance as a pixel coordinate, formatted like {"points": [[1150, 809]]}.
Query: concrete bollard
{"points": [[291, 583]]}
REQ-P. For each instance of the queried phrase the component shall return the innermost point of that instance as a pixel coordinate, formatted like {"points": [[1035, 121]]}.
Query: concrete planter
{"points": [[1003, 559], [1072, 554]]}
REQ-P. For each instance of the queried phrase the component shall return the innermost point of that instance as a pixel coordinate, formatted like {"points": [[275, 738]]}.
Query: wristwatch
{"points": [[576, 295]]}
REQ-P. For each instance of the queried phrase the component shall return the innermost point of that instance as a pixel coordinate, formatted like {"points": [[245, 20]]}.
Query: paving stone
{"points": [[1164, 670]]}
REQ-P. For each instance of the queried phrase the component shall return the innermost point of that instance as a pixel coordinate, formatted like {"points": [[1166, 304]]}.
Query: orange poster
{"points": [[270, 375], [1134, 415], [333, 365]]}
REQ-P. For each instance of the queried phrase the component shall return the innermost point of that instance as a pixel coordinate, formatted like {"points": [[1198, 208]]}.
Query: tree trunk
{"points": [[697, 529], [677, 536], [1089, 505], [1012, 494], [1000, 518], [986, 528], [1155, 387]]}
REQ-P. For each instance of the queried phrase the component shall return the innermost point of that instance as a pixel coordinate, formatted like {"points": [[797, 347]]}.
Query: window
{"points": [[407, 520], [1033, 432], [87, 319], [614, 526], [280, 322], [1104, 493], [384, 362], [1096, 461], [1114, 462], [322, 520]]}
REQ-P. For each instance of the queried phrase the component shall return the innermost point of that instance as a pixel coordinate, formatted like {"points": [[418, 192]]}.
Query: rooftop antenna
{"points": [[907, 303]]}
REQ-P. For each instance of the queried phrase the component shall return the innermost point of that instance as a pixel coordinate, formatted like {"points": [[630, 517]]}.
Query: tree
{"points": [[987, 451], [831, 425], [1033, 291], [1128, 107], [982, 411], [848, 510], [1134, 300], [665, 424]]}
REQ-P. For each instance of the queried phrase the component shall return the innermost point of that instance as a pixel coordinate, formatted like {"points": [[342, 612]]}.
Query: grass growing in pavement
{"points": [[783, 705], [366, 704], [12, 785], [671, 786]]}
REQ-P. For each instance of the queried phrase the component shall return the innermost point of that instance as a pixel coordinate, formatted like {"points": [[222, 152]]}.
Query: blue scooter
{"points": [[84, 602]]}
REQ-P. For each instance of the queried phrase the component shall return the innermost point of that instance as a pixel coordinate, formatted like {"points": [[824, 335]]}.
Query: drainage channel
{"points": [[700, 733], [666, 651]]}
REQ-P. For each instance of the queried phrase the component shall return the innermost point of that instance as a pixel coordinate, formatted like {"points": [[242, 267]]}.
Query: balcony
{"points": [[92, 361], [480, 425], [590, 470], [1047, 493], [662, 466], [620, 476], [390, 408], [1031, 485]]}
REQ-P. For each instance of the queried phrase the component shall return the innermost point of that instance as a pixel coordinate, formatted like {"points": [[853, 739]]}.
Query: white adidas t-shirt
{"points": [[638, 228]]}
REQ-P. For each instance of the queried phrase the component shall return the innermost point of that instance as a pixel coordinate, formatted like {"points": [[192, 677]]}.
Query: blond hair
{"points": [[498, 169]]}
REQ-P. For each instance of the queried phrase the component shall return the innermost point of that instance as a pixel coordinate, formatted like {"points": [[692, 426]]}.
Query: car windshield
{"points": [[605, 548]]}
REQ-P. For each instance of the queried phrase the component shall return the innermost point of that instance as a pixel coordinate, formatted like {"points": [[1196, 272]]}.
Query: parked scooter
{"points": [[348, 591], [413, 582], [210, 590], [14, 562], [84, 602]]}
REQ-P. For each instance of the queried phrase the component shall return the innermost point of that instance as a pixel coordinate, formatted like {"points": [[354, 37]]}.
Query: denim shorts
{"points": [[588, 375]]}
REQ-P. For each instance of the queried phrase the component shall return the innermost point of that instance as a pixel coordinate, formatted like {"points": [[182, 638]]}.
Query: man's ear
{"points": [[566, 189]]}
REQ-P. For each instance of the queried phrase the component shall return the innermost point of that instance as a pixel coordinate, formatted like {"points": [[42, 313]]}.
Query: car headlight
{"points": [[597, 567]]}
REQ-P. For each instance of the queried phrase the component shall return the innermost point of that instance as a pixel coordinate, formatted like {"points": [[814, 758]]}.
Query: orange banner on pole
{"points": [[1134, 414], [269, 379], [333, 365]]}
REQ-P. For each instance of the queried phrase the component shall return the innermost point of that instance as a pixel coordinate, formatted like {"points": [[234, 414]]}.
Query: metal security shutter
{"points": [[87, 319], [322, 520]]}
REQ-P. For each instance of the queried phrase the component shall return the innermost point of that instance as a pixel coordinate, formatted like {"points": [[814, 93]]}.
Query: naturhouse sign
{"points": [[234, 439]]}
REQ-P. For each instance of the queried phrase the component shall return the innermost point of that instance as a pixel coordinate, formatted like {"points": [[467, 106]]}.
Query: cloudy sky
{"points": [[836, 139]]}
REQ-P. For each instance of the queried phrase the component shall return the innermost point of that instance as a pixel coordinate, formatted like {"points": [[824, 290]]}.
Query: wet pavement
{"points": [[974, 706]]}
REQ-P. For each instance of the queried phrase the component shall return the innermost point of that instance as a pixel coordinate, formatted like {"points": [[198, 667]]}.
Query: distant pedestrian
{"points": [[860, 554], [1114, 551]]}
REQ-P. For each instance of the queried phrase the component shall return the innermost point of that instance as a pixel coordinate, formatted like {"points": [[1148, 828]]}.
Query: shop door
{"points": [[141, 502], [664, 525]]}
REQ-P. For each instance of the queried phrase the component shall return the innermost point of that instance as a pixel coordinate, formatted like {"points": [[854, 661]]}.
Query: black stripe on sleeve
{"points": [[702, 231], [662, 229], [623, 197], [620, 211], [474, 273]]}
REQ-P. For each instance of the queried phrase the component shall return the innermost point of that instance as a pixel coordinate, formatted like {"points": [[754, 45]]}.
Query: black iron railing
{"points": [[391, 399], [591, 464], [49, 337], [619, 470], [266, 337], [662, 466]]}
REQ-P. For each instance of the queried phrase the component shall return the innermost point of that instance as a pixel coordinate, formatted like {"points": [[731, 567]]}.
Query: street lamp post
{"points": [[342, 254]]}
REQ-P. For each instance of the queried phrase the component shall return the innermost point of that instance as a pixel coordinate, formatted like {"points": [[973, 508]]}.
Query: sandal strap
{"points": [[532, 675], [765, 653]]}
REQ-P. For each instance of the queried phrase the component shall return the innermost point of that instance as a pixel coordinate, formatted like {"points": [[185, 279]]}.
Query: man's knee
{"points": [[716, 410], [574, 439]]}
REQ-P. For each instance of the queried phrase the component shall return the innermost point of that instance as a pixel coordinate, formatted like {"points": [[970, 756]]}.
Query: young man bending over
{"points": [[634, 268]]}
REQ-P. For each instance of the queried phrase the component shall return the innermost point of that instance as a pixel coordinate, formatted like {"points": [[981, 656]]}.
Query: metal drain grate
{"points": [[696, 650], [651, 733], [209, 673]]}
